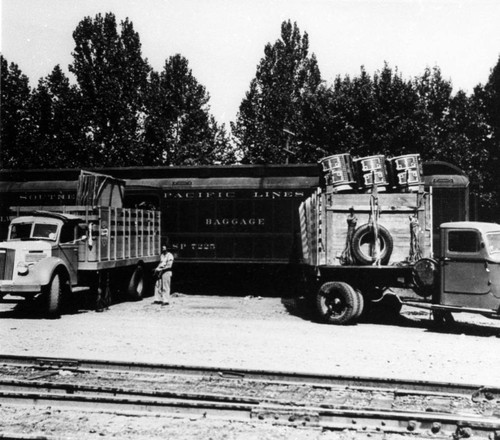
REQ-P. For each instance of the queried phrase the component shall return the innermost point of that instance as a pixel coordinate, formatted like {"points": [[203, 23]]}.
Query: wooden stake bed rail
{"points": [[323, 219], [115, 236]]}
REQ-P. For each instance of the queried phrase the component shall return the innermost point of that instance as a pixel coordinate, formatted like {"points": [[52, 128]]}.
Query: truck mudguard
{"points": [[44, 269]]}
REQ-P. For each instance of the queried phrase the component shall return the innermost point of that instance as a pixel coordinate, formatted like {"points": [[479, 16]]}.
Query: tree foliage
{"points": [[112, 76], [15, 127], [121, 112], [488, 100], [381, 113], [57, 120], [179, 128], [276, 103]]}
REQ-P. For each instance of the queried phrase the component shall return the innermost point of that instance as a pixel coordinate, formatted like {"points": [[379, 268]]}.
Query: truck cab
{"points": [[37, 245], [470, 267]]}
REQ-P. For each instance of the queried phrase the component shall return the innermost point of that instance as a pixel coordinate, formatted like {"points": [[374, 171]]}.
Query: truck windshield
{"points": [[493, 242], [45, 231], [20, 231], [26, 231]]}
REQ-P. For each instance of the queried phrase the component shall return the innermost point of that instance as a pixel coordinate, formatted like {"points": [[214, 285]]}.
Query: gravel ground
{"points": [[261, 333], [243, 332]]}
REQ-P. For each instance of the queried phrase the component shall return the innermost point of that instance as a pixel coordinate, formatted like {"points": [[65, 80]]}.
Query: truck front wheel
{"points": [[338, 303], [53, 293]]}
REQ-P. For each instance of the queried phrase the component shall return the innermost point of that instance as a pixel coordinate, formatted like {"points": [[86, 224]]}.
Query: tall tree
{"points": [[58, 136], [489, 98], [492, 99], [15, 122], [270, 125], [471, 147], [112, 76], [179, 129]]}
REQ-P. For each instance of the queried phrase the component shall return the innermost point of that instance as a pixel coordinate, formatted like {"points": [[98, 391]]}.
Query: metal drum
{"points": [[406, 172], [372, 169], [339, 173]]}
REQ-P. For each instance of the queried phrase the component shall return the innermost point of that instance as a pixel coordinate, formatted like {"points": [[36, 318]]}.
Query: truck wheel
{"points": [[135, 288], [338, 303], [363, 240], [361, 304], [53, 296]]}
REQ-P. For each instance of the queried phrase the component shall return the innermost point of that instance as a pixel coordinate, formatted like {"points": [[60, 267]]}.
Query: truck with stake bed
{"points": [[372, 242], [55, 252]]}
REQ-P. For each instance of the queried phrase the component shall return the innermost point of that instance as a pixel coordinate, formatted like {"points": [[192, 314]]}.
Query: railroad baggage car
{"points": [[238, 215]]}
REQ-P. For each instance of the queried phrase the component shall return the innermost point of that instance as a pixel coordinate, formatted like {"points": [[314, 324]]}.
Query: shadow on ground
{"points": [[378, 314]]}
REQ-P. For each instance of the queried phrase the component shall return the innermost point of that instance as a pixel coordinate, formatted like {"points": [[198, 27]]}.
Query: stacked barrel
{"points": [[343, 173]]}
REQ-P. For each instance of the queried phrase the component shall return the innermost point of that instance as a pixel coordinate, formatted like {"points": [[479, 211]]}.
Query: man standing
{"points": [[163, 275]]}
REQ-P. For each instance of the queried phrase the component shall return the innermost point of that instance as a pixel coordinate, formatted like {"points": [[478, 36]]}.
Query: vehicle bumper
{"points": [[19, 289]]}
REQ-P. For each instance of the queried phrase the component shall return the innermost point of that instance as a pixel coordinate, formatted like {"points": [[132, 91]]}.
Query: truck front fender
{"points": [[44, 269]]}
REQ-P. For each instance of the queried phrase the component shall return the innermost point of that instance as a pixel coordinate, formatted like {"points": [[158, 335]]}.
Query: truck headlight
{"points": [[22, 269]]}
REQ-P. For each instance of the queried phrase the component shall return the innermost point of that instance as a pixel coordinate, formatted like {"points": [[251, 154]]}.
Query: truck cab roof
{"points": [[480, 226], [60, 216]]}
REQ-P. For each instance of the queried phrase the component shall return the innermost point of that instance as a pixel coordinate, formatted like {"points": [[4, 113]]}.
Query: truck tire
{"points": [[363, 237], [53, 295], [136, 285], [360, 303], [338, 303]]}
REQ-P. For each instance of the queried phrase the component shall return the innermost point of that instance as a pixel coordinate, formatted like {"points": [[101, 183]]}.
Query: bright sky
{"points": [[224, 40]]}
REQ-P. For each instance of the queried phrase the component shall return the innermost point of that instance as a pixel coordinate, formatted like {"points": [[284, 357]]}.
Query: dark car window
{"points": [[20, 230], [463, 241], [67, 233]]}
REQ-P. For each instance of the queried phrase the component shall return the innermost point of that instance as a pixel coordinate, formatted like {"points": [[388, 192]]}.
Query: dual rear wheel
{"points": [[137, 285], [339, 303]]}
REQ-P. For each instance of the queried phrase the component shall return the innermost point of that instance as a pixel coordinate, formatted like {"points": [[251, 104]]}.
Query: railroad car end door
{"points": [[466, 271]]}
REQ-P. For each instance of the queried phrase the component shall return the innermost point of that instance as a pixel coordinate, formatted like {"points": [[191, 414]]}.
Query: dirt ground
{"points": [[261, 333], [242, 332]]}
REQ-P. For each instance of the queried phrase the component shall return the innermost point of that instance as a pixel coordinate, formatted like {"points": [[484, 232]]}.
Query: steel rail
{"points": [[252, 410], [279, 411], [73, 364]]}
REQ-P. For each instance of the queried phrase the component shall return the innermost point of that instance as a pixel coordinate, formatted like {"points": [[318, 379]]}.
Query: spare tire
{"points": [[426, 276], [363, 240]]}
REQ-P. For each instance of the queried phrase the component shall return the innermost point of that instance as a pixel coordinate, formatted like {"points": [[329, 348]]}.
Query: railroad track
{"points": [[426, 409]]}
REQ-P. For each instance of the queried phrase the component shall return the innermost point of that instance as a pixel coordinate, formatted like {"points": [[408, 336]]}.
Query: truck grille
{"points": [[6, 264]]}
